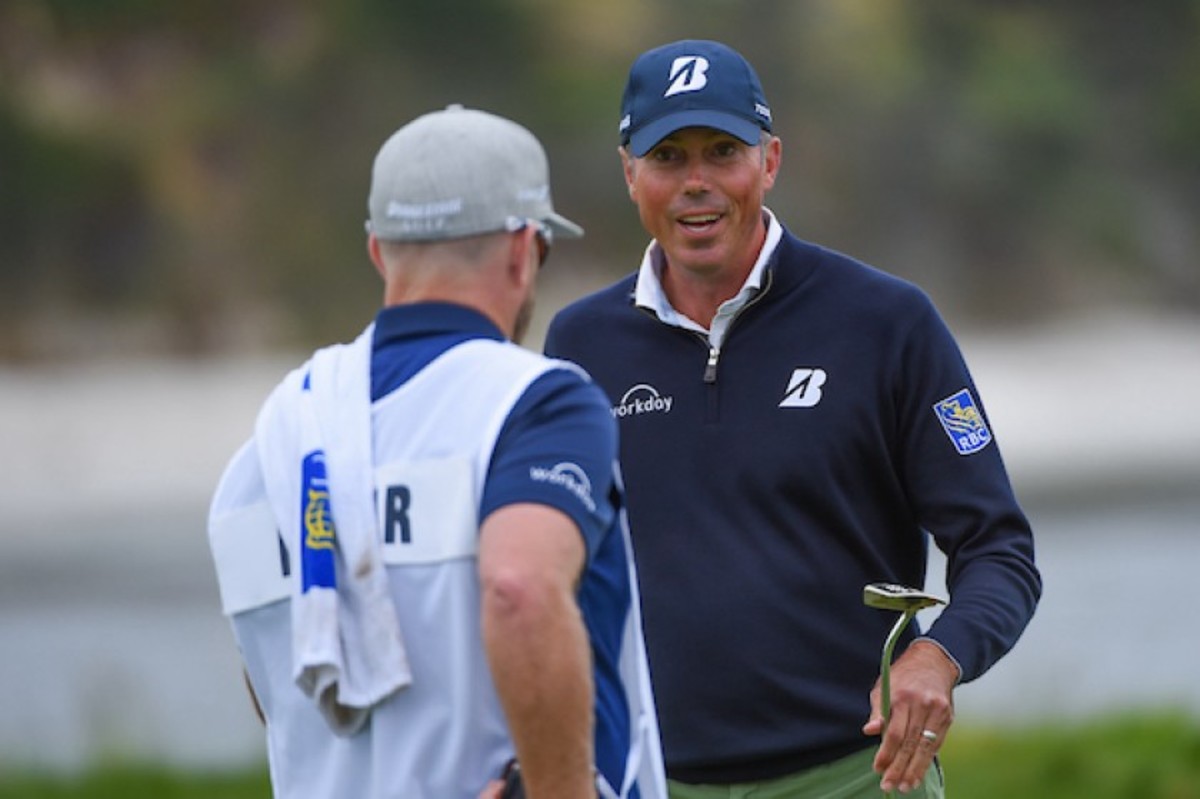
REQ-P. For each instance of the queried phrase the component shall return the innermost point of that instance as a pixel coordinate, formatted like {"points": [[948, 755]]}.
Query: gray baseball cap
{"points": [[461, 172]]}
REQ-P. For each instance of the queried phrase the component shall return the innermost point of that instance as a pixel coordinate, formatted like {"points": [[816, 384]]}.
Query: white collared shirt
{"points": [[649, 293]]}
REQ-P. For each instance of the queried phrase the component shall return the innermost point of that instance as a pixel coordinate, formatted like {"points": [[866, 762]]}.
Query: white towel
{"points": [[314, 442]]}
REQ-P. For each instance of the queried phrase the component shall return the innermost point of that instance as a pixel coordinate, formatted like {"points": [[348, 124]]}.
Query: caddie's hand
{"points": [[923, 681], [492, 790]]}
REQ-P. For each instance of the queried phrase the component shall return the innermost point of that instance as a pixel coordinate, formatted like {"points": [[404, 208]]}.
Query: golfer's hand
{"points": [[923, 682]]}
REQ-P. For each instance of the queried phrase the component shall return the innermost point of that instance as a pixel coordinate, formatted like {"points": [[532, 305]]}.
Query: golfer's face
{"points": [[700, 193]]}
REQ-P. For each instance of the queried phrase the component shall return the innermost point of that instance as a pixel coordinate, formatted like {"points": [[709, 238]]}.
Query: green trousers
{"points": [[848, 778]]}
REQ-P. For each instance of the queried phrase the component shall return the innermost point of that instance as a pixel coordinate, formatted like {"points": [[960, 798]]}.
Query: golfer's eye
{"points": [[726, 148], [664, 154]]}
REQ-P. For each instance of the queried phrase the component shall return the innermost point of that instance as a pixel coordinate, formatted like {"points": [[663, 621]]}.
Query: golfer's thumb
{"points": [[874, 725]]}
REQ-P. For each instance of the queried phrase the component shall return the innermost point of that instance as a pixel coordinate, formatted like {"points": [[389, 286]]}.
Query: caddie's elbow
{"points": [[512, 598]]}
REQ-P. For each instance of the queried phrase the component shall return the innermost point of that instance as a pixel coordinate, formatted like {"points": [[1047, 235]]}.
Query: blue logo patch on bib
{"points": [[316, 525], [963, 422]]}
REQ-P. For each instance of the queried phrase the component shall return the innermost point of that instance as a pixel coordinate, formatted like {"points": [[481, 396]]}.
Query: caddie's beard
{"points": [[524, 317]]}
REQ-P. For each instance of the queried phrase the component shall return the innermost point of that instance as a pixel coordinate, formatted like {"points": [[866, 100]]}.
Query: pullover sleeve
{"points": [[961, 494]]}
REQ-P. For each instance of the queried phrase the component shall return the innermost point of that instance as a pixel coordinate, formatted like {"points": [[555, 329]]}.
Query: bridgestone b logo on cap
{"points": [[688, 74]]}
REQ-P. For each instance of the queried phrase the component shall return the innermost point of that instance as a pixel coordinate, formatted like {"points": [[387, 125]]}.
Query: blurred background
{"points": [[182, 192]]}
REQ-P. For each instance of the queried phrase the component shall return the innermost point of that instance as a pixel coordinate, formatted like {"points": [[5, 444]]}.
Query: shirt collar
{"points": [[649, 292], [419, 320]]}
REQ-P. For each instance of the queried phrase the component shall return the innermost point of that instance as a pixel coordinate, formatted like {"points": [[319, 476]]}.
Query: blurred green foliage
{"points": [[1136, 756], [132, 782], [191, 177], [1143, 756]]}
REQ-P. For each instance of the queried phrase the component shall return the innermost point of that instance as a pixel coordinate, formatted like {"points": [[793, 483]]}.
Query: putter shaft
{"points": [[885, 670], [889, 596]]}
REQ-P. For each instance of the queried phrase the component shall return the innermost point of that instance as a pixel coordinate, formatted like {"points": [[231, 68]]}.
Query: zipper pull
{"points": [[710, 368]]}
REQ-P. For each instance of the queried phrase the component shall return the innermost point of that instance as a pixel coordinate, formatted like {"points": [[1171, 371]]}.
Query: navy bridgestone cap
{"points": [[691, 83]]}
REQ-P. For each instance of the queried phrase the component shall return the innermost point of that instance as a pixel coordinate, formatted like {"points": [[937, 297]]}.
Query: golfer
{"points": [[794, 425]]}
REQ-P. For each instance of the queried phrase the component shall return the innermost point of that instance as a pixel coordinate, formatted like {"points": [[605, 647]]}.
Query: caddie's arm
{"points": [[530, 559]]}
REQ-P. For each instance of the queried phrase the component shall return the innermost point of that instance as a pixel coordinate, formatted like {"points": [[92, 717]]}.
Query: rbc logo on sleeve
{"points": [[963, 422]]}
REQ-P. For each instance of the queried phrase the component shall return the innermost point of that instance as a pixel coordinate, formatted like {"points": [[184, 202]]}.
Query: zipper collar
{"points": [[714, 350], [649, 295]]}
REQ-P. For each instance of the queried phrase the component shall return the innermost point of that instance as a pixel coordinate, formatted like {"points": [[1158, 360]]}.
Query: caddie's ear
{"points": [[523, 256], [376, 256]]}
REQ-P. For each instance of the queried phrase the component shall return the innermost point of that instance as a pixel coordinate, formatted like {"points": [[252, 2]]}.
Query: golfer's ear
{"points": [[772, 161], [628, 165]]}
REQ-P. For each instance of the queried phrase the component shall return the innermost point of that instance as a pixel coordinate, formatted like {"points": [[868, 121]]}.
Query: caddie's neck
{"points": [[493, 274]]}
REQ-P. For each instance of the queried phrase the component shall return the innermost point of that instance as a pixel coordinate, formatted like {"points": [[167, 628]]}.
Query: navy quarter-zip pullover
{"points": [[833, 432]]}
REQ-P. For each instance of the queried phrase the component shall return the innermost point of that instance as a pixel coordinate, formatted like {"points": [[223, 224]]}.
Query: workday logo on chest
{"points": [[642, 399]]}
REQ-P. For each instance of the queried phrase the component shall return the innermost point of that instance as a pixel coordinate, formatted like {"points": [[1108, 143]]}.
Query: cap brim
{"points": [[562, 227], [644, 139]]}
